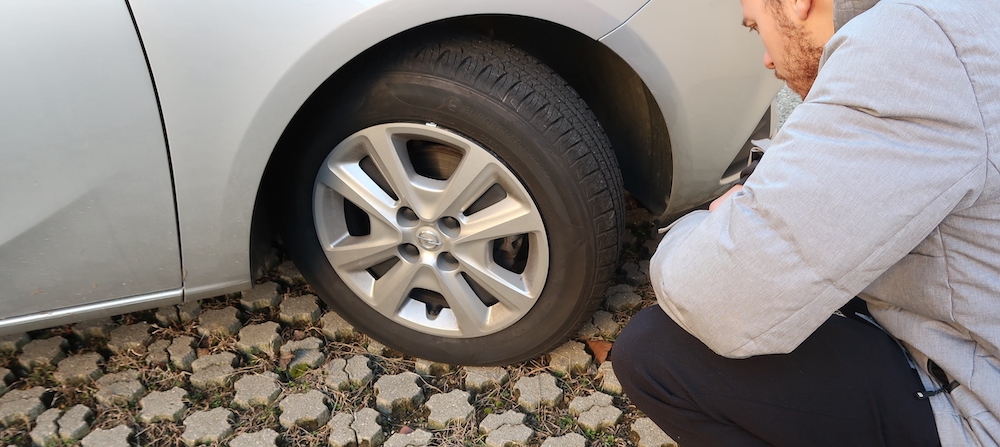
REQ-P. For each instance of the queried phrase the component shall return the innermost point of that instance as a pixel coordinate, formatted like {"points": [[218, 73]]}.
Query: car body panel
{"points": [[229, 77], [706, 109], [85, 184], [231, 74]]}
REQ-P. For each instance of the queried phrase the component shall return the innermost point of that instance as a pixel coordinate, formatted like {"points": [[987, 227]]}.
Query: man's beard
{"points": [[801, 57]]}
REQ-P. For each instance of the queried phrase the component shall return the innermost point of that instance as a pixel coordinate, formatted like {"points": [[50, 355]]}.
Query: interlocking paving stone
{"points": [[79, 369], [292, 346], [570, 358], [482, 378], [207, 427], [212, 370], [299, 311], [341, 433], [306, 353], [451, 408], [601, 324], [75, 423], [167, 316], [156, 353], [646, 433], [6, 377], [223, 322], [257, 390], [567, 440], [418, 438], [99, 328], [21, 406], [431, 368], [359, 429], [260, 338], [46, 431], [644, 266], [509, 435], [132, 337], [606, 324], [634, 275], [9, 344], [336, 328], [346, 374], [263, 438], [120, 388], [398, 391], [609, 381], [306, 358], [114, 437], [188, 312], [260, 297], [537, 391], [622, 297], [367, 428], [289, 274], [595, 412], [182, 354], [376, 348], [306, 410], [163, 406], [43, 352], [494, 421], [588, 331], [583, 403]]}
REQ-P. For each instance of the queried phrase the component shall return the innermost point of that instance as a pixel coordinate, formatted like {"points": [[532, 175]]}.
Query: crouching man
{"points": [[883, 185]]}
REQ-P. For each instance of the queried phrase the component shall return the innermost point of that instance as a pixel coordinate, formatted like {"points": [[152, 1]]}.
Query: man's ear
{"points": [[803, 8]]}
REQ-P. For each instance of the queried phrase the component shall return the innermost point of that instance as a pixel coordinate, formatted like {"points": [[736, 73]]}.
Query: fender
{"points": [[230, 75]]}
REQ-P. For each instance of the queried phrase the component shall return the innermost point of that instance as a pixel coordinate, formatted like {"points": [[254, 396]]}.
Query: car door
{"points": [[85, 190]]}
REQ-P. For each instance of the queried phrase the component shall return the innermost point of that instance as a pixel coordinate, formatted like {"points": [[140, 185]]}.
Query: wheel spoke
{"points": [[505, 218], [353, 184], [507, 287], [470, 313], [390, 160], [359, 253], [393, 288]]}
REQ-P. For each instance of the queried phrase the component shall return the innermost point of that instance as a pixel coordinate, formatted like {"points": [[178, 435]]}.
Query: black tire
{"points": [[516, 108]]}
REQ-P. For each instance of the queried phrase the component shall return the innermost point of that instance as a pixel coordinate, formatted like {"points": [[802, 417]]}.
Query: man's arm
{"points": [[888, 143]]}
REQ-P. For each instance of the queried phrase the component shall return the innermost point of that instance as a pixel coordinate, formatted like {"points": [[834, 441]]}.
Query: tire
{"points": [[468, 200]]}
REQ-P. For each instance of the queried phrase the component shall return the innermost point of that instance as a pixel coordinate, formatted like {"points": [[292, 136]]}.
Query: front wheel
{"points": [[460, 204]]}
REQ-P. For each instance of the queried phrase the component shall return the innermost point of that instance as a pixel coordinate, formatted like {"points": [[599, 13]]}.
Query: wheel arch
{"points": [[621, 101]]}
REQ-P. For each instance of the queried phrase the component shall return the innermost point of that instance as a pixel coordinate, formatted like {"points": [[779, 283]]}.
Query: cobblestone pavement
{"points": [[273, 367]]}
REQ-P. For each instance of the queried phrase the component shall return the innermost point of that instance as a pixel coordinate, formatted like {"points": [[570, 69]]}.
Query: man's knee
{"points": [[642, 346]]}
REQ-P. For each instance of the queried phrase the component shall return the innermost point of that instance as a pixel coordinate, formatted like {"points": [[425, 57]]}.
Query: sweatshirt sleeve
{"points": [[888, 143]]}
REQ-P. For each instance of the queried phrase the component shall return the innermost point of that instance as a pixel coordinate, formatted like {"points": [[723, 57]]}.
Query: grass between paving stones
{"points": [[546, 422]]}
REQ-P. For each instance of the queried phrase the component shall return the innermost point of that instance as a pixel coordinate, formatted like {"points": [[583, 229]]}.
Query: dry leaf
{"points": [[405, 430], [600, 348]]}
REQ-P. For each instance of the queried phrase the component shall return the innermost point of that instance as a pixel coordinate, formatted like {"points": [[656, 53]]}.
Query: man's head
{"points": [[794, 33]]}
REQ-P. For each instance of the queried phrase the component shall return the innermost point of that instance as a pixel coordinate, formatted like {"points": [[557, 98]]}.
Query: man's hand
{"points": [[715, 203]]}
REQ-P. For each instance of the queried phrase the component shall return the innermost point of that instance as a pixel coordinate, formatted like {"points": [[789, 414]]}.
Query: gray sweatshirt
{"points": [[883, 184]]}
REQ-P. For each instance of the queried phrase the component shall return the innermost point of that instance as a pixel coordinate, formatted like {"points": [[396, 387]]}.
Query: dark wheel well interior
{"points": [[618, 97]]}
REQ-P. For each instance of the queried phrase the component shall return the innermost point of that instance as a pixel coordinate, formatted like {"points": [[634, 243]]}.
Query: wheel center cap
{"points": [[429, 239]]}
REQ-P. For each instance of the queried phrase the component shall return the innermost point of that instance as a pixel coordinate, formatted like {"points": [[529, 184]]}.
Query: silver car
{"points": [[448, 175]]}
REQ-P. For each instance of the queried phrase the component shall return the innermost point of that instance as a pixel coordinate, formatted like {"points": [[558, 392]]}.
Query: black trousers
{"points": [[848, 384]]}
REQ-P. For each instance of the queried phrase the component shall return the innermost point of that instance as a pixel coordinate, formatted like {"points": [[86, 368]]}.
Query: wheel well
{"points": [[619, 99]]}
